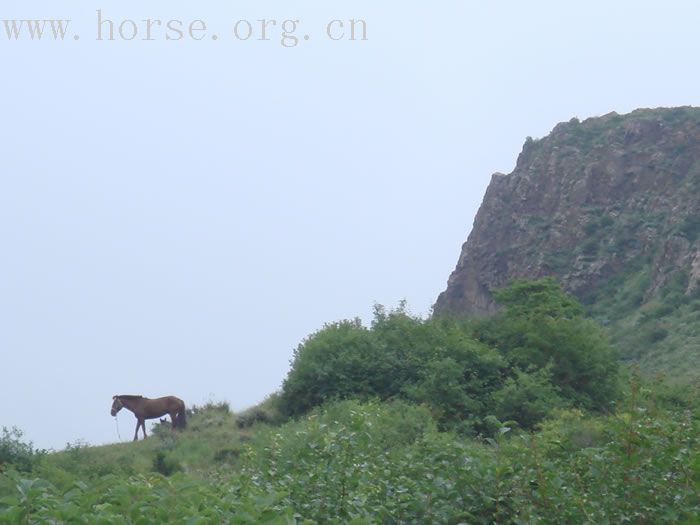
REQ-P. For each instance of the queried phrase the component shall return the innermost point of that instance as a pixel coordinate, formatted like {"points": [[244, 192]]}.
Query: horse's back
{"points": [[165, 399], [174, 401], [165, 404]]}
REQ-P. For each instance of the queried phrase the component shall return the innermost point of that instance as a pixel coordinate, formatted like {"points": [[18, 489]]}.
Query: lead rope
{"points": [[116, 421]]}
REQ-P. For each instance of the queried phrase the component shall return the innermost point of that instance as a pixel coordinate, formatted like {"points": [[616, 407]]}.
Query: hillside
{"points": [[522, 417], [367, 463], [610, 207]]}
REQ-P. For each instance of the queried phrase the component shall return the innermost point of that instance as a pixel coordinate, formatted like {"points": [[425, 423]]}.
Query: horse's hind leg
{"points": [[143, 426]]}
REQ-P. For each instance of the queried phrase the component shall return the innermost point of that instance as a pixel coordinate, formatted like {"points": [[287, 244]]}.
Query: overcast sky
{"points": [[177, 215]]}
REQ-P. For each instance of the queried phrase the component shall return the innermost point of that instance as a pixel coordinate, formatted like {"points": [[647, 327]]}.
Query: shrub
{"points": [[541, 326], [690, 227], [455, 367], [436, 362], [339, 361], [527, 398], [457, 387], [227, 455], [544, 297], [251, 417], [590, 247], [16, 453], [572, 430], [656, 334], [165, 464], [267, 412], [211, 414]]}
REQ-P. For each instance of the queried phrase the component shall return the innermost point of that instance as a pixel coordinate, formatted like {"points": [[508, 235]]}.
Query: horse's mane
{"points": [[129, 396]]}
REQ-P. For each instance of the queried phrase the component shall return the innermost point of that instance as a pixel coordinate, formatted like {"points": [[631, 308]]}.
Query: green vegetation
{"points": [[538, 355], [519, 418], [654, 325], [637, 291], [543, 329], [14, 451], [371, 462]]}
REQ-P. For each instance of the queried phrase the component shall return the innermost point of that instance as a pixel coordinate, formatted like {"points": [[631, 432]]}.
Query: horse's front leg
{"points": [[143, 426], [138, 424], [173, 415]]}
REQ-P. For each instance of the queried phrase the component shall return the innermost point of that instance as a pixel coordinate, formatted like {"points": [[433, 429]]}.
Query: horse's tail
{"points": [[181, 417]]}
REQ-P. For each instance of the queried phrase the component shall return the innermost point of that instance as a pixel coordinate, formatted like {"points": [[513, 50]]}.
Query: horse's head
{"points": [[117, 405]]}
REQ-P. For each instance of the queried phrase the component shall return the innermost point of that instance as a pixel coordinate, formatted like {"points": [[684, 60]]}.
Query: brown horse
{"points": [[145, 408]]}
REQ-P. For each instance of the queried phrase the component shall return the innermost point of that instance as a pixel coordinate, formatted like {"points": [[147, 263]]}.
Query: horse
{"points": [[145, 408]]}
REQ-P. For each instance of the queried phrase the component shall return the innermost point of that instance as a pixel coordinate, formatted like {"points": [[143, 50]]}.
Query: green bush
{"points": [[457, 367], [335, 362], [540, 326], [16, 453], [527, 398], [436, 362], [165, 464], [656, 333], [267, 412], [640, 465], [590, 247], [656, 311], [572, 430], [543, 297], [690, 227]]}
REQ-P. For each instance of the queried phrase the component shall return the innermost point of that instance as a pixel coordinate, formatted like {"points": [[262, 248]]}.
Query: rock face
{"points": [[610, 206]]}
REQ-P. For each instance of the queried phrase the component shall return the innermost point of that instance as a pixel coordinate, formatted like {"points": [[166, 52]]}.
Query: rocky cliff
{"points": [[611, 207]]}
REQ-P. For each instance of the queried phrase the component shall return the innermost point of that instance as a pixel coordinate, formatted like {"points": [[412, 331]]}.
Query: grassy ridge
{"points": [[214, 438], [371, 462]]}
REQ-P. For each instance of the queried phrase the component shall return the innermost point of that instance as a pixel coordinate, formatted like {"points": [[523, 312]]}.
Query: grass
{"points": [[212, 440], [364, 463], [659, 331]]}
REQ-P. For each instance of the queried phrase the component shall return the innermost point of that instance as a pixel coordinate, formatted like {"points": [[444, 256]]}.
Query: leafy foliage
{"points": [[537, 299], [140, 499], [538, 355], [16, 453], [541, 327], [362, 463], [527, 398], [165, 464]]}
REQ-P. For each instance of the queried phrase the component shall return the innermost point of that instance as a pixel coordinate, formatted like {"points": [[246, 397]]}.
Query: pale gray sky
{"points": [[175, 217]]}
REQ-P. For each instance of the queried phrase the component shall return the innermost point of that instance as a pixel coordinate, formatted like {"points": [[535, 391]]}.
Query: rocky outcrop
{"points": [[604, 205]]}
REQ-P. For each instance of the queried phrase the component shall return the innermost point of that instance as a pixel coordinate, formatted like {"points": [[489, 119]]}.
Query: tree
{"points": [[539, 353], [337, 362], [540, 326]]}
